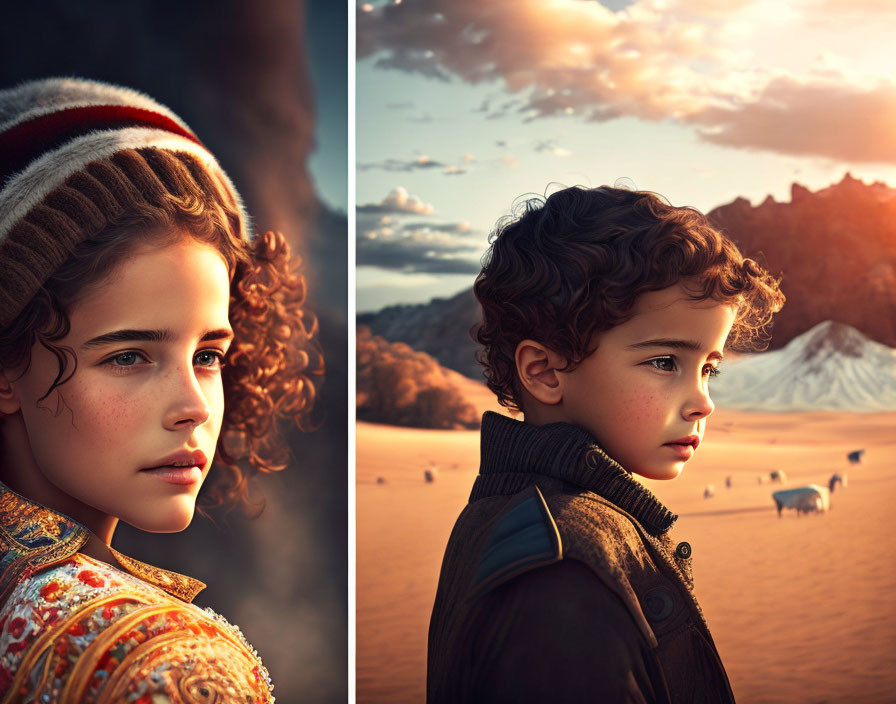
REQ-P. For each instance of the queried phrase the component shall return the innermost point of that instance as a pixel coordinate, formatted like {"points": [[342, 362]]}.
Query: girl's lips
{"points": [[183, 458], [177, 475]]}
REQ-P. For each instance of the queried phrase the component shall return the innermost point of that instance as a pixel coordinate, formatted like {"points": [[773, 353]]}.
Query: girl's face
{"points": [[132, 434]]}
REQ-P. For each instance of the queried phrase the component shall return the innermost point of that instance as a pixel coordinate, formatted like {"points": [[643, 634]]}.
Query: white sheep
{"points": [[777, 476], [803, 498], [709, 491]]}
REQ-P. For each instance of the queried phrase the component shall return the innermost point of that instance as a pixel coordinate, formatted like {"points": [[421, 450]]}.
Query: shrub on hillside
{"points": [[400, 386]]}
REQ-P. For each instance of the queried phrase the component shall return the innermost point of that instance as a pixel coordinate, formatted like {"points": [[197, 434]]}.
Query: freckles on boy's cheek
{"points": [[641, 407]]}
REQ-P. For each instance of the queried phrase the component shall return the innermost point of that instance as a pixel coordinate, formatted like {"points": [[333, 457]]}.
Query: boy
{"points": [[605, 314]]}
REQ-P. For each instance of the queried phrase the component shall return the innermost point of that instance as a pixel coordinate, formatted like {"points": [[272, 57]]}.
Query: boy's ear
{"points": [[9, 399], [536, 367]]}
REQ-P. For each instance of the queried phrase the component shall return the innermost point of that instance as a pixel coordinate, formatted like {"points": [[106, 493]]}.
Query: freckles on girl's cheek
{"points": [[113, 410]]}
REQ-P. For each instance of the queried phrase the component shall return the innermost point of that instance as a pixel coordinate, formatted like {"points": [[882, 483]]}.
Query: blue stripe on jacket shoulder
{"points": [[523, 537]]}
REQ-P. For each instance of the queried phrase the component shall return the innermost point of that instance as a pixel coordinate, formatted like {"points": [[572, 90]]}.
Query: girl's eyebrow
{"points": [[150, 336], [675, 344]]}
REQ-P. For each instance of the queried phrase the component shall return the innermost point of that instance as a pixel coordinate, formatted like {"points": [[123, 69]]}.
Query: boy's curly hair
{"points": [[274, 364], [573, 265]]}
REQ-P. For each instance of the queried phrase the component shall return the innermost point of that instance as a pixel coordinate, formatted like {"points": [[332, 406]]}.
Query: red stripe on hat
{"points": [[26, 141]]}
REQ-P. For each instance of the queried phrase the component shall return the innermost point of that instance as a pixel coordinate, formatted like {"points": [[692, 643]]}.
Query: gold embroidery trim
{"points": [[179, 585]]}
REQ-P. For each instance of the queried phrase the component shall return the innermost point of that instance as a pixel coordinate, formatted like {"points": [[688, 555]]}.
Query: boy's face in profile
{"points": [[644, 393]]}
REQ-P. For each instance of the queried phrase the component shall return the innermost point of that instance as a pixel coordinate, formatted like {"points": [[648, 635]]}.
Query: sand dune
{"points": [[802, 609]]}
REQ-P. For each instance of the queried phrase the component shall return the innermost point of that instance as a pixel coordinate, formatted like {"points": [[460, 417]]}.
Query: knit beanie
{"points": [[76, 154]]}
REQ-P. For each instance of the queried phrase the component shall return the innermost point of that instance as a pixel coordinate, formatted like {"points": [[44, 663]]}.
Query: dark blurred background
{"points": [[263, 84]]}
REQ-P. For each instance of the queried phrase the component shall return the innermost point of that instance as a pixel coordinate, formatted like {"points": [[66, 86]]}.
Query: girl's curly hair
{"points": [[274, 365], [573, 265]]}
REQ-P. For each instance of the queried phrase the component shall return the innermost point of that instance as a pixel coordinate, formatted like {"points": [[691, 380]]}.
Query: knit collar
{"points": [[33, 536], [511, 448]]}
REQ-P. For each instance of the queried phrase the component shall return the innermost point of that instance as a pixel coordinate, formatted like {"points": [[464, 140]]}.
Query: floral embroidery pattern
{"points": [[78, 630]]}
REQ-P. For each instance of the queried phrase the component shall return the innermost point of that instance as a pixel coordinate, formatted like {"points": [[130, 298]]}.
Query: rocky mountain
{"points": [[835, 248], [441, 328], [831, 367]]}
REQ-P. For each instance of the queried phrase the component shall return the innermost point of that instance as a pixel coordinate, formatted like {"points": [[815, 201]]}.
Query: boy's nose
{"points": [[189, 406], [699, 406]]}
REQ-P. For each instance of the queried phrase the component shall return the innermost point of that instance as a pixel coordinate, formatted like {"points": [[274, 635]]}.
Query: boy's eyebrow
{"points": [[150, 336], [675, 344]]}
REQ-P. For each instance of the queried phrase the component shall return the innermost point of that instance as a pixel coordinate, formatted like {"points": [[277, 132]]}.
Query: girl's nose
{"points": [[189, 406]]}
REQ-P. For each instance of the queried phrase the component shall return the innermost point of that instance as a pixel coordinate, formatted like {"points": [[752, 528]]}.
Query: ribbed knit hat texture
{"points": [[76, 154]]}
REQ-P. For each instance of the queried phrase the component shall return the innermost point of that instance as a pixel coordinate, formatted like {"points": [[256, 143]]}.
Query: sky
{"points": [[466, 107]]}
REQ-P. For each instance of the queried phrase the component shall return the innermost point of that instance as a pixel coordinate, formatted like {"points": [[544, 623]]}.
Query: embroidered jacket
{"points": [[561, 583], [75, 629]]}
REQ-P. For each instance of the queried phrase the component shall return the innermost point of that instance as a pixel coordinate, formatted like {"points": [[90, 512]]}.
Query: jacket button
{"points": [[658, 604], [683, 550]]}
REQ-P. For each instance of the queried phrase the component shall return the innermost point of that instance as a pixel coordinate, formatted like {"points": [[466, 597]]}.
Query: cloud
{"points": [[421, 163], [558, 56], [398, 200], [430, 250], [687, 61], [855, 6], [551, 146], [450, 227], [390, 237], [810, 119]]}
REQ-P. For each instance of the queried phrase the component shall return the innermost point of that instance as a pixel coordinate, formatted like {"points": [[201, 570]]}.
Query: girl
{"points": [[143, 334]]}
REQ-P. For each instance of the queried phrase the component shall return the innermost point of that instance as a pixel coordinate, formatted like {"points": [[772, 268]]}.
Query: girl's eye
{"points": [[211, 359], [664, 364], [124, 359]]}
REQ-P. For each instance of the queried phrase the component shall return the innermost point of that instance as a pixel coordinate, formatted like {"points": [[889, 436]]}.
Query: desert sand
{"points": [[802, 609]]}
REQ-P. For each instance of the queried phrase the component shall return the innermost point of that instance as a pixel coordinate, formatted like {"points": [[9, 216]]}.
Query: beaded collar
{"points": [[33, 536]]}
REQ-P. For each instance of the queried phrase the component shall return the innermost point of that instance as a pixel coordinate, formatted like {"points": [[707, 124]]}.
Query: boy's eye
{"points": [[664, 364], [208, 358]]}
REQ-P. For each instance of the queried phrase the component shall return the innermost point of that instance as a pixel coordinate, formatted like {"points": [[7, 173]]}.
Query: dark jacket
{"points": [[561, 583]]}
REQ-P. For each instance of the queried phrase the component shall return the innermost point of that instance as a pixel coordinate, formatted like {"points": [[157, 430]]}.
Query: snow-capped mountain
{"points": [[830, 367]]}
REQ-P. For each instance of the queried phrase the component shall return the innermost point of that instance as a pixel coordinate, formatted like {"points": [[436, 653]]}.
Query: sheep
{"points": [[835, 479], [855, 457], [709, 491], [777, 476], [804, 499]]}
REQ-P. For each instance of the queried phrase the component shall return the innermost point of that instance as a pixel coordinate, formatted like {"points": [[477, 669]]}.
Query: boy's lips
{"points": [[692, 440], [685, 447]]}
